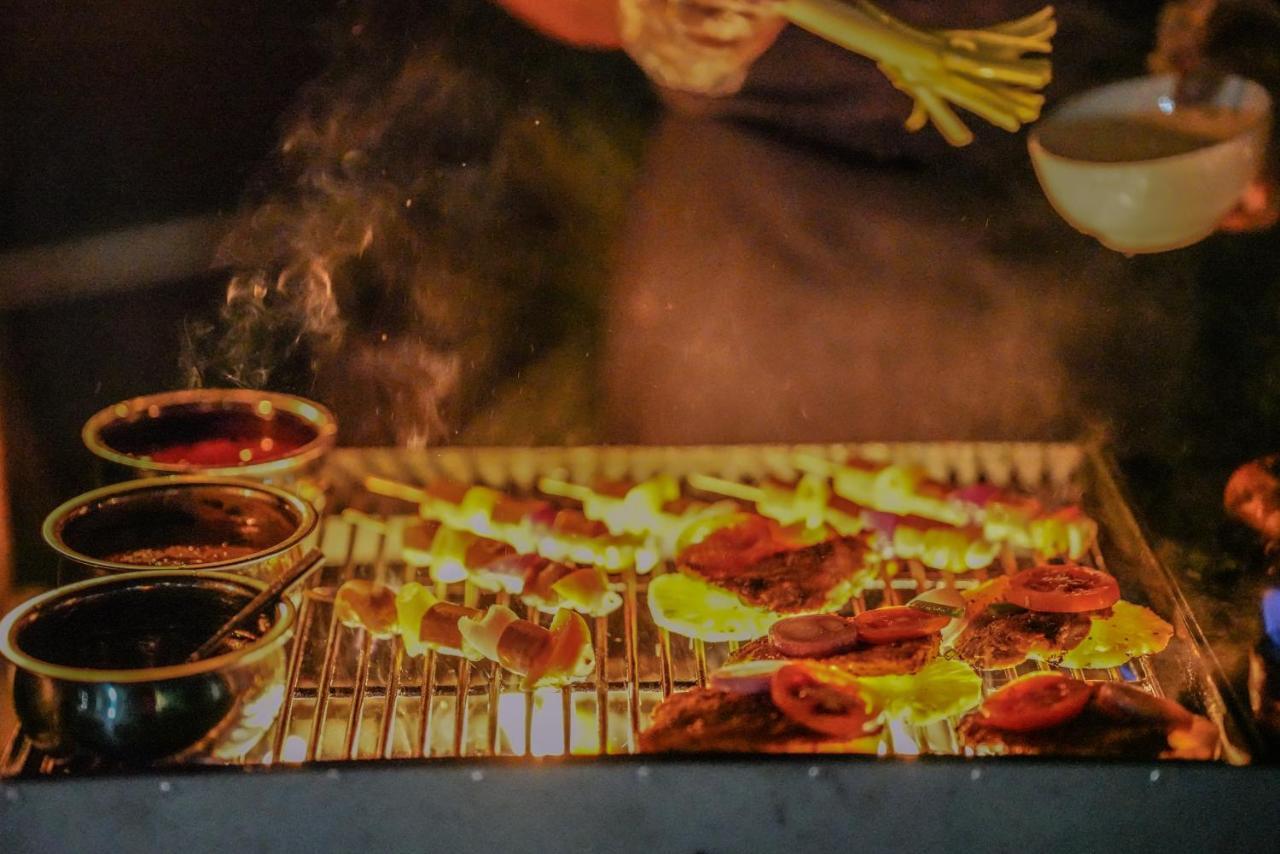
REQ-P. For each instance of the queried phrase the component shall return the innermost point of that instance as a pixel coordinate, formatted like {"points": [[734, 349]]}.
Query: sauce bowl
{"points": [[242, 433], [216, 524], [1137, 202], [100, 670]]}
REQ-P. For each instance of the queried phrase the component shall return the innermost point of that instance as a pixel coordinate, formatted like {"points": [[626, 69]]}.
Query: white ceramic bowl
{"points": [[1152, 205]]}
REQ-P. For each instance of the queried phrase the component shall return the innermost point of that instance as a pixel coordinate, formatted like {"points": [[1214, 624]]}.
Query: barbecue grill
{"points": [[440, 749], [351, 697]]}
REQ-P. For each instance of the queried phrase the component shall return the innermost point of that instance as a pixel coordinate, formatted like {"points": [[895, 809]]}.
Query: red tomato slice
{"points": [[821, 698], [726, 550], [1038, 701], [897, 622], [1063, 588]]}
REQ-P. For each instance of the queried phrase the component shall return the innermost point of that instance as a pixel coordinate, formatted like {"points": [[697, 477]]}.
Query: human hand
{"points": [[1258, 209], [700, 46]]}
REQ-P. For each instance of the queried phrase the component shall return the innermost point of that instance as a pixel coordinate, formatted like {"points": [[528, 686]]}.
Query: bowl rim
{"points": [[1037, 148], [51, 530], [314, 414], [281, 629]]}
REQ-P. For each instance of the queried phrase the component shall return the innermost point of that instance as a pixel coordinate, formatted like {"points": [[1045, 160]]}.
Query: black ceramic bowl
{"points": [[100, 668]]}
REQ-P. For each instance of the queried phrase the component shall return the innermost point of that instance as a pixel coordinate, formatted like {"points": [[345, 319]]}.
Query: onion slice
{"points": [[746, 677], [813, 635]]}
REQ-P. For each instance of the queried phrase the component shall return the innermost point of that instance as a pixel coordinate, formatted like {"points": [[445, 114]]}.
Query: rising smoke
{"points": [[437, 213]]}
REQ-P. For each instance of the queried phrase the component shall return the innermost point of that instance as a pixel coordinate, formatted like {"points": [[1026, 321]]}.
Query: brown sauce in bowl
{"points": [[181, 555], [134, 627]]}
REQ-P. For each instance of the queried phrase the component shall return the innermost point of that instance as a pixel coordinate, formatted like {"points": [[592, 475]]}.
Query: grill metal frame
{"points": [[350, 697]]}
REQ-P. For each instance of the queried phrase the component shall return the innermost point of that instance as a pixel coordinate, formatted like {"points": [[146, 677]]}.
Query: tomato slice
{"points": [[1038, 701], [897, 622], [821, 698], [1063, 588], [726, 550]]}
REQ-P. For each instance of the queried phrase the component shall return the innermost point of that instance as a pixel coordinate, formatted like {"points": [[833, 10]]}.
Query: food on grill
{"points": [[360, 603], [1129, 632], [742, 578], [530, 526], [809, 503], [1049, 713], [543, 656], [806, 503], [1252, 496], [181, 555], [806, 706], [1006, 638], [819, 577], [711, 720], [937, 545], [813, 635], [1101, 632], [897, 623], [1002, 515], [905, 653], [1063, 588], [865, 659], [824, 699], [494, 566]]}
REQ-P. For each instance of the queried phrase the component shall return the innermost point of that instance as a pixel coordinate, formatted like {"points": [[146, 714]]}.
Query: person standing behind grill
{"points": [[798, 267]]}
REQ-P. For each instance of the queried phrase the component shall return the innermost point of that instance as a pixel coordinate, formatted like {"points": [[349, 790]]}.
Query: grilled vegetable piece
{"points": [[694, 608], [530, 526], [813, 635], [495, 566], [1063, 589], [1037, 701], [555, 656], [360, 603], [897, 623], [824, 699]]}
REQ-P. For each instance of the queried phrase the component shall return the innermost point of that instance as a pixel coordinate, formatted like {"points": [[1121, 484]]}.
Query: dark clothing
{"points": [[798, 267]]}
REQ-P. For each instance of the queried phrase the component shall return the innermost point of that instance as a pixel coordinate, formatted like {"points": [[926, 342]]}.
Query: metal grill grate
{"points": [[350, 696]]}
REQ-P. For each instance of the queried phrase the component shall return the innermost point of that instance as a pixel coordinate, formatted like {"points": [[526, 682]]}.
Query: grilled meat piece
{"points": [[708, 720], [795, 581], [1091, 735], [1120, 721], [866, 659], [996, 638]]}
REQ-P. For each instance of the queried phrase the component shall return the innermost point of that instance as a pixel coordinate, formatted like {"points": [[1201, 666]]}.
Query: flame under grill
{"points": [[351, 696]]}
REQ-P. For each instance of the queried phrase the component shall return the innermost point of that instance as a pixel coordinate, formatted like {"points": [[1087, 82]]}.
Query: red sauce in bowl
{"points": [[200, 437], [218, 453]]}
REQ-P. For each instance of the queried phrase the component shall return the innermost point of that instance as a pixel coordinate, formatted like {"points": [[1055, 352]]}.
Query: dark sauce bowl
{"points": [[242, 433], [100, 668], [248, 528]]}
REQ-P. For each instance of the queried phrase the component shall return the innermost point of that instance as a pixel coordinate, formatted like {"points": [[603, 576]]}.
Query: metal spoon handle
{"points": [[307, 564]]}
